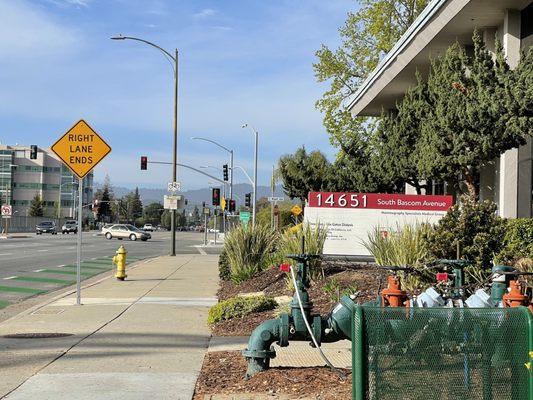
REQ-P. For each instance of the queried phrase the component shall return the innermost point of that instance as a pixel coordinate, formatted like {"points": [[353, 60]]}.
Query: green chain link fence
{"points": [[442, 353]]}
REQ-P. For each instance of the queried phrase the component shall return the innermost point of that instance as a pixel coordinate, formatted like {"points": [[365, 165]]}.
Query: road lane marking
{"points": [[38, 270], [43, 250], [6, 254], [10, 277], [201, 251]]}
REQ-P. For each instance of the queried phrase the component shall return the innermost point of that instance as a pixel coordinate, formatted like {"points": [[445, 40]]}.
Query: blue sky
{"points": [[240, 61]]}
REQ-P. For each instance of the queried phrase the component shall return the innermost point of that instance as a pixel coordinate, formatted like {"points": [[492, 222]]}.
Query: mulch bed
{"points": [[223, 373], [274, 283]]}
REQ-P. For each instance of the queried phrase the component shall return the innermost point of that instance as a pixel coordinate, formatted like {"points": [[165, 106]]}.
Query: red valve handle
{"points": [[285, 267]]}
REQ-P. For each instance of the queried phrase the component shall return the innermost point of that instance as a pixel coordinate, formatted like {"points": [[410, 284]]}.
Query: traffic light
{"points": [[203, 204], [225, 171], [144, 163], [248, 199], [33, 152], [231, 206], [216, 197]]}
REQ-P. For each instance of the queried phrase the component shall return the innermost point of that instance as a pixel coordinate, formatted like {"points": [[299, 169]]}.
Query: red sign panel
{"points": [[379, 201]]}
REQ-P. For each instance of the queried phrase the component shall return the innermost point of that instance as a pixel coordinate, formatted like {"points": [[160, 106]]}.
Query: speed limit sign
{"points": [[6, 211]]}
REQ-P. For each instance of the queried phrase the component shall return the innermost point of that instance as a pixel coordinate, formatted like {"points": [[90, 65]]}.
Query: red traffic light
{"points": [[144, 163], [216, 197]]}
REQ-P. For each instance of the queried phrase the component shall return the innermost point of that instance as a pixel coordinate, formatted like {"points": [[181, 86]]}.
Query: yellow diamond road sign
{"points": [[81, 148]]}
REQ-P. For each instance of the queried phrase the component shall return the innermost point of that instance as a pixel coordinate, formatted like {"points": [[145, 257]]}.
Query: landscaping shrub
{"points": [[224, 271], [474, 226], [517, 241], [291, 243], [249, 250], [405, 246], [238, 307]]}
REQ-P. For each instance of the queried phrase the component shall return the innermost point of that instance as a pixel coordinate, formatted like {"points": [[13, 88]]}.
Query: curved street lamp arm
{"points": [[245, 173], [147, 42], [212, 141]]}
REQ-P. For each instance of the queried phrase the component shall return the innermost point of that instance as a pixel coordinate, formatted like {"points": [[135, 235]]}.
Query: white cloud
{"points": [[28, 33], [205, 13], [76, 3]]}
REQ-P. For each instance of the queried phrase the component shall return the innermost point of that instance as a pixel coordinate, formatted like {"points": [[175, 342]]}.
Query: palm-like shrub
{"points": [[249, 250]]}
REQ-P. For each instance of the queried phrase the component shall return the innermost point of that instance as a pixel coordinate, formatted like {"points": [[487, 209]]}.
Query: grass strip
{"points": [[85, 266], [3, 303], [65, 272], [21, 289], [43, 280]]}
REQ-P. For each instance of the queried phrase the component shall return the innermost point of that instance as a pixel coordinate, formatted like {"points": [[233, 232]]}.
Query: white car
{"points": [[69, 226], [148, 228], [125, 231]]}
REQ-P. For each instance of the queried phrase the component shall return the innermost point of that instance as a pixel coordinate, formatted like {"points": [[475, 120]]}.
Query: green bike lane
{"points": [[17, 288]]}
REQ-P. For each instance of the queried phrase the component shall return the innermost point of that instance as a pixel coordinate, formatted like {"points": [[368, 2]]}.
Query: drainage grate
{"points": [[37, 335]]}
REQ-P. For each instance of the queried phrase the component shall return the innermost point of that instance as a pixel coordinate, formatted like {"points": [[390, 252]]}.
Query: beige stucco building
{"points": [[508, 180], [21, 178]]}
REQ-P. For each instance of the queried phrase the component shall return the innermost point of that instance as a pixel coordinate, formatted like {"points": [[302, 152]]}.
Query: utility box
{"points": [[442, 353]]}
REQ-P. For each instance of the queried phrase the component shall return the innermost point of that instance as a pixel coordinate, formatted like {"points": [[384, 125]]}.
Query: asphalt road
{"points": [[36, 264]]}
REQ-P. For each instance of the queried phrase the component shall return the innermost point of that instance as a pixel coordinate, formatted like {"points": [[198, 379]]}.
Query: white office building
{"points": [[509, 179], [21, 178]]}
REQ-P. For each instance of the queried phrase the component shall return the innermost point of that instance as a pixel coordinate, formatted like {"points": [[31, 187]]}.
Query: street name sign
{"points": [[174, 186], [350, 217], [7, 211], [81, 149], [275, 199], [244, 216]]}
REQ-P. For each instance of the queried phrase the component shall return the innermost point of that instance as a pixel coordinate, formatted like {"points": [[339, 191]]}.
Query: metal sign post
{"points": [[78, 250], [80, 149]]}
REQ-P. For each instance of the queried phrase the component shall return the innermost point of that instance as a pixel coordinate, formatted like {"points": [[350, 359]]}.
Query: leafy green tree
{"points": [[366, 36], [196, 220], [152, 213], [302, 173], [104, 204], [133, 205], [36, 206], [469, 117]]}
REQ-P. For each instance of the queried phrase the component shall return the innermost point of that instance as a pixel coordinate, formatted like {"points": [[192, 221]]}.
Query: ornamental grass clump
{"points": [[249, 250], [314, 238], [406, 246]]}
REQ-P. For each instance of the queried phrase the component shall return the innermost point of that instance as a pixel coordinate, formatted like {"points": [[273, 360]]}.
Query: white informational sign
{"points": [[276, 199], [174, 186], [7, 211], [350, 217], [173, 202]]}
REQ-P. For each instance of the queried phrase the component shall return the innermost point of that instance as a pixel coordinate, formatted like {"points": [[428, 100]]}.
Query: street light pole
{"points": [[175, 59], [230, 160], [255, 170]]}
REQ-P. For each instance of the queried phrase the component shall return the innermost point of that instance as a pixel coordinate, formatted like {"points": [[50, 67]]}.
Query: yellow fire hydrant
{"points": [[120, 261]]}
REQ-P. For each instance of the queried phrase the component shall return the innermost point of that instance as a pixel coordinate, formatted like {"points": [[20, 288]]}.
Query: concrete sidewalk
{"points": [[142, 338]]}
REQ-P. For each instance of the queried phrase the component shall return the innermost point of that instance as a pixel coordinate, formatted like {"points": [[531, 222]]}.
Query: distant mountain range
{"points": [[195, 196]]}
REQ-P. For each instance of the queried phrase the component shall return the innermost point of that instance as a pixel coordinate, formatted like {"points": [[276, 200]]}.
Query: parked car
{"points": [[125, 231], [148, 228], [46, 227], [69, 226]]}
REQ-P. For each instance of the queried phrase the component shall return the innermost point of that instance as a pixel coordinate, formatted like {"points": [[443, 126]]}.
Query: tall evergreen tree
{"points": [[468, 121], [36, 206]]}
